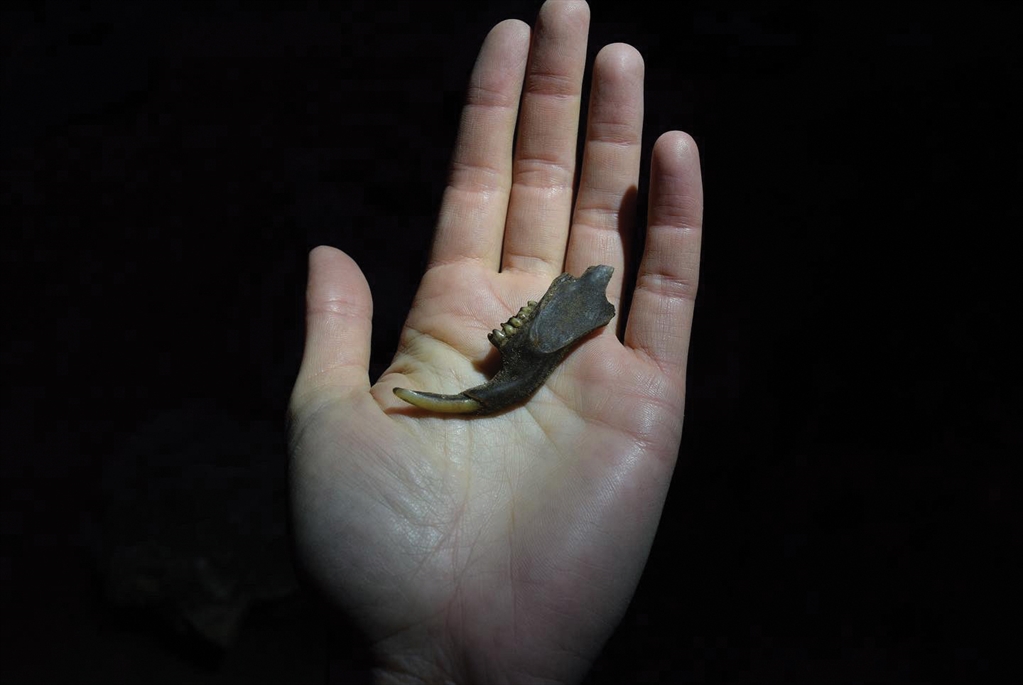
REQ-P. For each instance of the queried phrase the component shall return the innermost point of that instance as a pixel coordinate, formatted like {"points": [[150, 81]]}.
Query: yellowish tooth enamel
{"points": [[508, 329], [445, 404], [515, 321]]}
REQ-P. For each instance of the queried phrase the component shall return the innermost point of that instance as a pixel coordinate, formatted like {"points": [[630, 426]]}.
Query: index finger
{"points": [[472, 215]]}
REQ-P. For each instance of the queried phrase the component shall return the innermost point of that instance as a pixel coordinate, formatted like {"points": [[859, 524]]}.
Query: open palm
{"points": [[505, 548]]}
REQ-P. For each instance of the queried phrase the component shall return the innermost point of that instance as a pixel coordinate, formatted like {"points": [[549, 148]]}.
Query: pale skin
{"points": [[505, 549]]}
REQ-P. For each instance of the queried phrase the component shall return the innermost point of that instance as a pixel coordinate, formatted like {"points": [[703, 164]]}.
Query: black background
{"points": [[846, 503]]}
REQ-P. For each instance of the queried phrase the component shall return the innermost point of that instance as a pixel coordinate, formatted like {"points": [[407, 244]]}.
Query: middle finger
{"points": [[543, 175]]}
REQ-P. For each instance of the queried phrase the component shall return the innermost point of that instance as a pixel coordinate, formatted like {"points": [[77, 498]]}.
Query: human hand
{"points": [[505, 548]]}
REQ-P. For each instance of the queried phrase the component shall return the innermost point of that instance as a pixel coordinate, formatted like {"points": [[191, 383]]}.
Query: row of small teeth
{"points": [[512, 324]]}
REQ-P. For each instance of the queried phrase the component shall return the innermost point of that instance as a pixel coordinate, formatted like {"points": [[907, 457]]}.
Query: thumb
{"points": [[339, 313]]}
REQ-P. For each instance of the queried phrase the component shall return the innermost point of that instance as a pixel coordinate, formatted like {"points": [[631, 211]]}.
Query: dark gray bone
{"points": [[532, 343]]}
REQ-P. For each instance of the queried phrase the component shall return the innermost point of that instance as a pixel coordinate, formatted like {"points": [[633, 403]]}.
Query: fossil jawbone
{"points": [[532, 343]]}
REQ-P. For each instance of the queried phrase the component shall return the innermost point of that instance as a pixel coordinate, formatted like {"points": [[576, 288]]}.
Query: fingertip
{"points": [[339, 310], [510, 28], [327, 257], [504, 53], [675, 171], [620, 59], [565, 19], [676, 151], [334, 277], [573, 10], [324, 252]]}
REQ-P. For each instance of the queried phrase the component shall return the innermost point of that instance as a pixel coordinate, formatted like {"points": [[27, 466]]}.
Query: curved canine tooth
{"points": [[445, 404], [515, 321]]}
